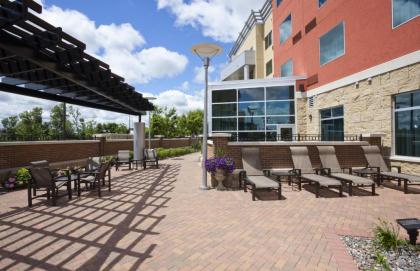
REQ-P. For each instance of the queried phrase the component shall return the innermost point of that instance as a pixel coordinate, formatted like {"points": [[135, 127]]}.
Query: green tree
{"points": [[9, 124], [195, 123], [56, 123], [30, 126], [164, 122]]}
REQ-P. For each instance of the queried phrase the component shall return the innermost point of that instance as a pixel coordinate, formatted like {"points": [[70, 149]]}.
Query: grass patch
{"points": [[386, 236]]}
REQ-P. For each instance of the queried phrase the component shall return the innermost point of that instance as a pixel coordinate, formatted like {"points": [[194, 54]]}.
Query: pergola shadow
{"points": [[90, 233]]}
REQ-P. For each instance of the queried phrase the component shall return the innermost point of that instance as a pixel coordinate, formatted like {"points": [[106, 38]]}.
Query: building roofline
{"points": [[256, 17]]}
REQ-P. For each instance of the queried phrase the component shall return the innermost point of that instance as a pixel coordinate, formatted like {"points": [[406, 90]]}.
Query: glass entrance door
{"points": [[285, 132]]}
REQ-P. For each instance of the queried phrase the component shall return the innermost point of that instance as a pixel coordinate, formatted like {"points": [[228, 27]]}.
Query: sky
{"points": [[148, 42]]}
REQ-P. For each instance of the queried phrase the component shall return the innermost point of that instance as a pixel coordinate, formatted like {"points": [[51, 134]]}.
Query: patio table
{"points": [[69, 178], [283, 174]]}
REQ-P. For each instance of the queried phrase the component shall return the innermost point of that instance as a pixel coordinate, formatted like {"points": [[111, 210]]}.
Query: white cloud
{"points": [[23, 103], [119, 45], [219, 19], [183, 102], [199, 74]]}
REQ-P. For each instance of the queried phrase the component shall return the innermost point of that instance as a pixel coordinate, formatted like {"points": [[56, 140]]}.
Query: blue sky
{"points": [[147, 42]]}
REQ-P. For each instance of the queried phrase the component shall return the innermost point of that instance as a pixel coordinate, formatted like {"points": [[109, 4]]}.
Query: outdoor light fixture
{"points": [[150, 121], [205, 51]]}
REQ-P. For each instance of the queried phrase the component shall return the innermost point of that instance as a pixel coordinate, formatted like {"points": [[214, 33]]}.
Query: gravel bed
{"points": [[363, 252]]}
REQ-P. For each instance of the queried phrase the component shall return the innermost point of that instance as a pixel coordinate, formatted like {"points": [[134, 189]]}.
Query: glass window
{"points": [[332, 124], [224, 124], [224, 110], [281, 120], [252, 136], [321, 2], [251, 123], [332, 44], [251, 109], [268, 40], [251, 94], [404, 10], [287, 68], [286, 29], [281, 108], [279, 2], [407, 125], [224, 96], [281, 93], [269, 68]]}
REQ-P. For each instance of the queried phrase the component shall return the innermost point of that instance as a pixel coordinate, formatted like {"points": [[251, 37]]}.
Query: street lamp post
{"points": [[150, 122], [205, 51]]}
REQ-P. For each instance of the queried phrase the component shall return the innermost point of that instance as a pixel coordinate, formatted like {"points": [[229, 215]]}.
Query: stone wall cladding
{"points": [[368, 108], [21, 154]]}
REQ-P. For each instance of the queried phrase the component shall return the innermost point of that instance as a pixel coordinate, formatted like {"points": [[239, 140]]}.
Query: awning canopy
{"points": [[40, 60]]}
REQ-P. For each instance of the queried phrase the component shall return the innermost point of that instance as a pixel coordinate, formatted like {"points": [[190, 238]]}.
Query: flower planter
{"points": [[220, 175]]}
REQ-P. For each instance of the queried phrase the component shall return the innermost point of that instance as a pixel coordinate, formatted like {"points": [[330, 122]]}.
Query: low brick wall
{"points": [[18, 154], [276, 155]]}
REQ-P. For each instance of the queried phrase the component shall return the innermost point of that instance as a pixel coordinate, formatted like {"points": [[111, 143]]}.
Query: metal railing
{"points": [[273, 137]]}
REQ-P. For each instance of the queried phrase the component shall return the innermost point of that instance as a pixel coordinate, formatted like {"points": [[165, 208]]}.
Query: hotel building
{"points": [[327, 68]]}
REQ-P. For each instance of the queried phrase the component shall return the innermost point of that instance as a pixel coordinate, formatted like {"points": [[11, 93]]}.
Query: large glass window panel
{"points": [[326, 113], [337, 111], [286, 29], [280, 93], [332, 130], [332, 44], [407, 100], [281, 120], [407, 133], [271, 136], [281, 108], [252, 136], [287, 69], [251, 123], [224, 96], [251, 94], [269, 68], [224, 110], [321, 2], [224, 124], [279, 2], [251, 109], [404, 10]]}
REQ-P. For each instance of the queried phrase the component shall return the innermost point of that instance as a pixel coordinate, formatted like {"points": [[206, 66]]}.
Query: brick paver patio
{"points": [[158, 220]]}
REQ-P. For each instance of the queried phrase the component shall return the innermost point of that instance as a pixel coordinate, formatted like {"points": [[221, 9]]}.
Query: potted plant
{"points": [[219, 168], [22, 177]]}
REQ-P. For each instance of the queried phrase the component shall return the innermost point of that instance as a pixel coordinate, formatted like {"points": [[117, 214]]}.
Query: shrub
{"points": [[22, 177], [386, 236], [174, 152]]}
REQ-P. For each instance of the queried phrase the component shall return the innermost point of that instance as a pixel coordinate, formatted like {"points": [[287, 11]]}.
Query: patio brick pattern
{"points": [[158, 219]]}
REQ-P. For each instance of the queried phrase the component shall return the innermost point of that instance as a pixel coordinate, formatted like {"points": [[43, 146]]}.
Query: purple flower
{"points": [[225, 163]]}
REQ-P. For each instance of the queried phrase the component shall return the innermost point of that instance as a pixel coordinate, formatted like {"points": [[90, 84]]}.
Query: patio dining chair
{"points": [[45, 180], [329, 160], [305, 171], [253, 175], [123, 158], [150, 158], [94, 179], [378, 167], [92, 165]]}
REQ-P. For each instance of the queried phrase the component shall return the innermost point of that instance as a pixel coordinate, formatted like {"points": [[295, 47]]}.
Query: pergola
{"points": [[39, 60]]}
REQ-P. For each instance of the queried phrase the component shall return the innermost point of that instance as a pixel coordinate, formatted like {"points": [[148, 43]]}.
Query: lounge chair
{"points": [[305, 171], [123, 158], [253, 175], [93, 179], [329, 160], [150, 158], [377, 166], [44, 179]]}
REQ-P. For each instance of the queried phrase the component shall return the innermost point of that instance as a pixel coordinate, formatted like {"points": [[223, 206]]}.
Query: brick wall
{"points": [[20, 154], [277, 154]]}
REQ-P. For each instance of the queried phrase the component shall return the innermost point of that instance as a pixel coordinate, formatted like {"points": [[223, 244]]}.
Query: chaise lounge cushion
{"points": [[410, 178], [262, 182], [353, 178], [322, 180]]}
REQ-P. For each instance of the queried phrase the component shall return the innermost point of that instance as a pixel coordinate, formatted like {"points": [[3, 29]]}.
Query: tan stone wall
{"points": [[368, 108]]}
